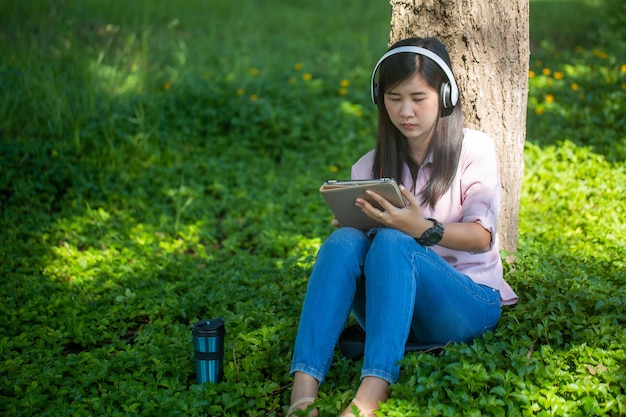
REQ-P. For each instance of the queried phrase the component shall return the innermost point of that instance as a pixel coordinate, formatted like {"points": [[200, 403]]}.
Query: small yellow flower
{"points": [[254, 97], [344, 83], [307, 76], [254, 71], [582, 97], [558, 75], [623, 68], [240, 91], [539, 111], [546, 71], [600, 54], [575, 87], [343, 91], [167, 85], [334, 168], [623, 86], [531, 74], [297, 66], [358, 113], [549, 98]]}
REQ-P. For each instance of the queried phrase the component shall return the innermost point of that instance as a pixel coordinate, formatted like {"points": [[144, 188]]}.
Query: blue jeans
{"points": [[398, 290]]}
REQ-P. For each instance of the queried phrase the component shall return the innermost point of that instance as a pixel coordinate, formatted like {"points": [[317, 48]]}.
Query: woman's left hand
{"points": [[408, 219]]}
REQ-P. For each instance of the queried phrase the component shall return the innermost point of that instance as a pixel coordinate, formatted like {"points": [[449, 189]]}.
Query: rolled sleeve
{"points": [[480, 185]]}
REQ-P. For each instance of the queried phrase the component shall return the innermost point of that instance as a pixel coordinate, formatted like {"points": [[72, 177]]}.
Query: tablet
{"points": [[341, 197]]}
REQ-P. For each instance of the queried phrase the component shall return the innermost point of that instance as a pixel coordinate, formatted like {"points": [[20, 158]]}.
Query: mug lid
{"points": [[209, 327]]}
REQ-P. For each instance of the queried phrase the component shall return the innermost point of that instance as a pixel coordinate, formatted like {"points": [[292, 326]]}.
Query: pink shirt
{"points": [[474, 196]]}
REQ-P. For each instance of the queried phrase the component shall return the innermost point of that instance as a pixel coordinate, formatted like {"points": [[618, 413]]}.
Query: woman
{"points": [[431, 274]]}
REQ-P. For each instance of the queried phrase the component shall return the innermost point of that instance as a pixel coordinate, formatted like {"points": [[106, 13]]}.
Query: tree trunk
{"points": [[488, 42]]}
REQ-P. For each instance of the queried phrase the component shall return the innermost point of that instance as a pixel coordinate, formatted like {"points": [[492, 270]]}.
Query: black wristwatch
{"points": [[433, 235]]}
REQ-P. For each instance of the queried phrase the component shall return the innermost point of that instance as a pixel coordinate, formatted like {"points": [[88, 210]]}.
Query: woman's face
{"points": [[413, 107]]}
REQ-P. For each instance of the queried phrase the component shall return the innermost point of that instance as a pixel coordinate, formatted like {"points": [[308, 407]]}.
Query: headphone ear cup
{"points": [[446, 95]]}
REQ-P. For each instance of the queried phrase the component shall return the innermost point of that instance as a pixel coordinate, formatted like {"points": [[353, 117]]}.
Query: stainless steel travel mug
{"points": [[208, 344]]}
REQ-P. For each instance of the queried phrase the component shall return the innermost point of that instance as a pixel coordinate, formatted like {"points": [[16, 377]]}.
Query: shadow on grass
{"points": [[135, 215], [565, 24]]}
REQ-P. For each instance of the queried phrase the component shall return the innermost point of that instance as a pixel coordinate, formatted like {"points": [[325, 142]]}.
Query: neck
{"points": [[419, 146]]}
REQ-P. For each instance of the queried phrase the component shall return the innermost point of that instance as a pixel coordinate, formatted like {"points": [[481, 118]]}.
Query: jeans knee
{"points": [[345, 234], [345, 242], [390, 239]]}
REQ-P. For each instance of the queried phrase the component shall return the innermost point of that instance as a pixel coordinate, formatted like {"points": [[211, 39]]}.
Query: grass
{"points": [[160, 164]]}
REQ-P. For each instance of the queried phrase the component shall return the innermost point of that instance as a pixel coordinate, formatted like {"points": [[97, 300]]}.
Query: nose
{"points": [[405, 109]]}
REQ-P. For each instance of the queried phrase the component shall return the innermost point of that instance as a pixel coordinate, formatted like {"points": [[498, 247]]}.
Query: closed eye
{"points": [[416, 97]]}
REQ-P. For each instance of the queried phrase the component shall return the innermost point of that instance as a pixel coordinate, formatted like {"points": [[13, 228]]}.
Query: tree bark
{"points": [[488, 42]]}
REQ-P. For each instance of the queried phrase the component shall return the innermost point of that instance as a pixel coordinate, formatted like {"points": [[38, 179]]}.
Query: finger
{"points": [[409, 196], [380, 201], [367, 208]]}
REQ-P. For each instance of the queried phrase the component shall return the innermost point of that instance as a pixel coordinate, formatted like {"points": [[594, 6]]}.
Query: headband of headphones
{"points": [[454, 89]]}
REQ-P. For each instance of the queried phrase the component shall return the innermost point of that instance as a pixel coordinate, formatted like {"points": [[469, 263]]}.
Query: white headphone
{"points": [[449, 90]]}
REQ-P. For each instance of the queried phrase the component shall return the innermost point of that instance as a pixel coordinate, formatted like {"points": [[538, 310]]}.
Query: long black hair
{"points": [[392, 147]]}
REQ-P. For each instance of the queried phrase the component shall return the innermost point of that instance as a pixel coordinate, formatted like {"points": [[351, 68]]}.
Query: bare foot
{"points": [[303, 393], [370, 394]]}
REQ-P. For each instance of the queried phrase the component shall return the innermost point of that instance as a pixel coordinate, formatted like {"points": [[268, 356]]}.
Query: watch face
{"points": [[433, 238], [433, 235]]}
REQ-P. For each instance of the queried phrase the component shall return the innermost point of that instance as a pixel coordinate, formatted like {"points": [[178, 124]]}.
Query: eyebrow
{"points": [[416, 93]]}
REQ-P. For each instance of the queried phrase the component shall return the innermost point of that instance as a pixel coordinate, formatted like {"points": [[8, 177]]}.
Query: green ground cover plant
{"points": [[160, 164]]}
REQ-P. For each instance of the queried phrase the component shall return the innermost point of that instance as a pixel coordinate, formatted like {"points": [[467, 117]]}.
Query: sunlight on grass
{"points": [[113, 81], [305, 251], [161, 164], [591, 193]]}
